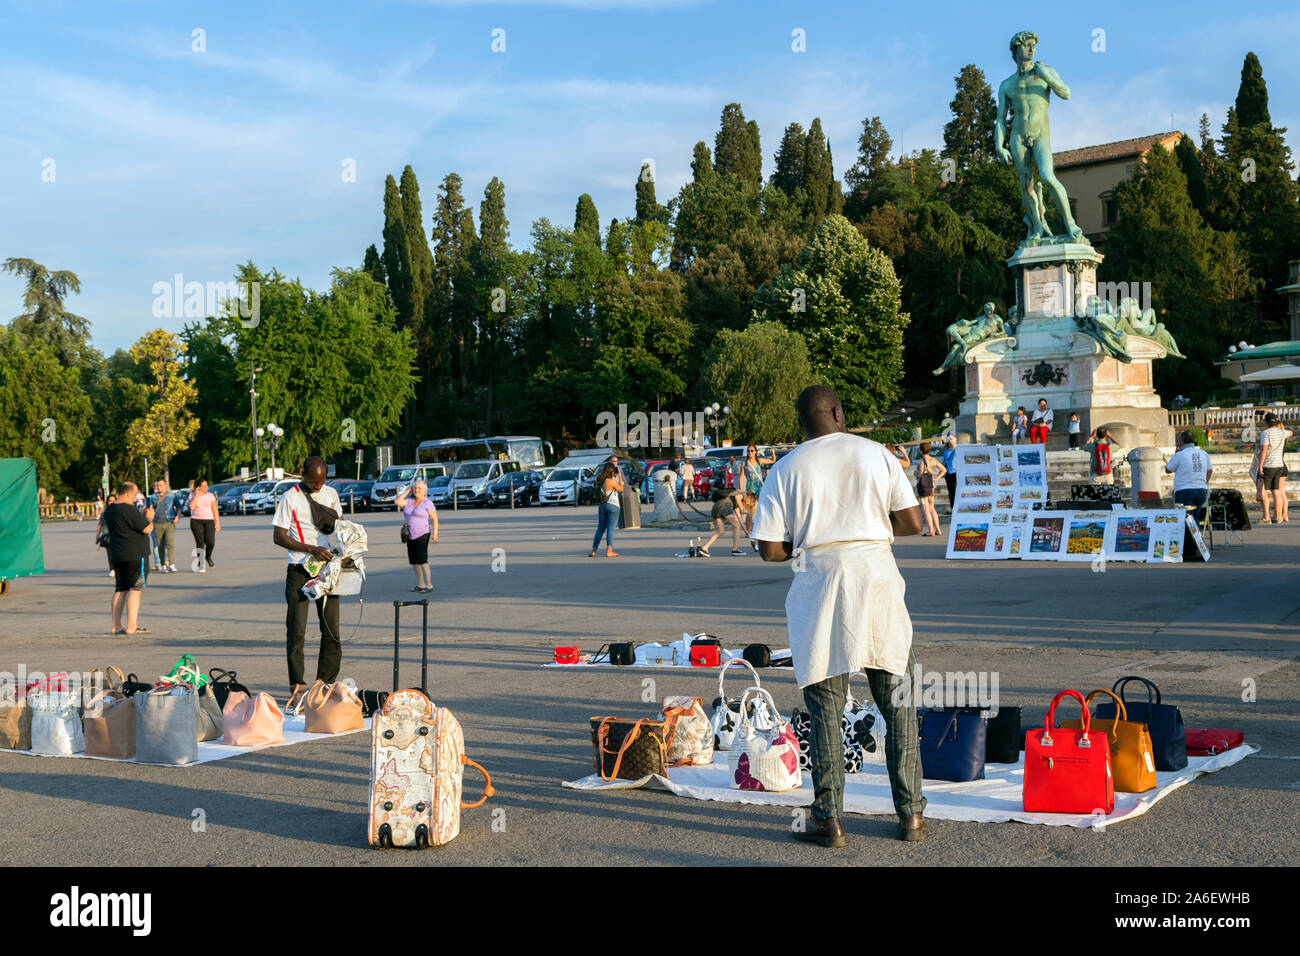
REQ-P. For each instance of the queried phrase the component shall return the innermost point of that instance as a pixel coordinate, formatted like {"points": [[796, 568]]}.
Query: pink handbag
{"points": [[252, 721]]}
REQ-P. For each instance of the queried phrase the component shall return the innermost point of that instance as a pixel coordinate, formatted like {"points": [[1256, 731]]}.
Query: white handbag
{"points": [[690, 734], [763, 759], [864, 724], [56, 722], [726, 713]]}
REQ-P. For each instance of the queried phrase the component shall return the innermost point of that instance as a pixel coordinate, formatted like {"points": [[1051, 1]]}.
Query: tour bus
{"points": [[529, 450]]}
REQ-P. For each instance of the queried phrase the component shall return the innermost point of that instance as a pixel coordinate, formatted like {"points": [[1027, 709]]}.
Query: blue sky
{"points": [[172, 161]]}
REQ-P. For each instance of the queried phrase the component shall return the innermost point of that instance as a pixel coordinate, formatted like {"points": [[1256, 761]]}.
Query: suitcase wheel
{"points": [[419, 808], [388, 735], [421, 836], [424, 731], [385, 836], [388, 805]]}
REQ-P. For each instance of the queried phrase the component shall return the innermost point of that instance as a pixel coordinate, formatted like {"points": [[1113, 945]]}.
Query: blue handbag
{"points": [[1164, 723], [953, 742]]}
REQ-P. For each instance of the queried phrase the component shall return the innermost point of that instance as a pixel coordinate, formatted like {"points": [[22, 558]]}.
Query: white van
{"points": [[470, 480]]}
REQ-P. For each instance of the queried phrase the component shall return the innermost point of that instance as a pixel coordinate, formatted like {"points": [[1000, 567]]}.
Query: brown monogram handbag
{"points": [[629, 749]]}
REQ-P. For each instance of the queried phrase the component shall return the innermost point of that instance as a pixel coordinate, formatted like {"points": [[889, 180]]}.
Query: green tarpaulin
{"points": [[20, 520]]}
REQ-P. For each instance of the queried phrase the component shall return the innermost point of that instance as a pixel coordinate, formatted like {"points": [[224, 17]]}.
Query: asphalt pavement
{"points": [[1221, 640]]}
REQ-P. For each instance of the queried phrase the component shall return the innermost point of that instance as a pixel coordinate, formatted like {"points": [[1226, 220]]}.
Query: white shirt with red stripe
{"points": [[293, 513]]}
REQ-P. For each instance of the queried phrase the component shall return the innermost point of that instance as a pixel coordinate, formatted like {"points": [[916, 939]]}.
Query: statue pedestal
{"points": [[1050, 357]]}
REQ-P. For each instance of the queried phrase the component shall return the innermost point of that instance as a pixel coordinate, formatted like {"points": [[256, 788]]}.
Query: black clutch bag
{"points": [[760, 655], [622, 653]]}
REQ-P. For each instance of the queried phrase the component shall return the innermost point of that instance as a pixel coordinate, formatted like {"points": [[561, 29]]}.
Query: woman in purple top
{"points": [[421, 525]]}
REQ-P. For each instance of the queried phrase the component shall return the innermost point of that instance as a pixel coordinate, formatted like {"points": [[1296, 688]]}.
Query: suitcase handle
{"points": [[487, 784], [424, 643]]}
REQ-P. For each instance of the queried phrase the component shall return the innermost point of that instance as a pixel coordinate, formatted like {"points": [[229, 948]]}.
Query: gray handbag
{"points": [[167, 726], [211, 726], [56, 722]]}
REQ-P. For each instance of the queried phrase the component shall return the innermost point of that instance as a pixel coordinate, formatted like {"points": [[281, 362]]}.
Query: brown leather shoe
{"points": [[828, 833], [913, 828]]}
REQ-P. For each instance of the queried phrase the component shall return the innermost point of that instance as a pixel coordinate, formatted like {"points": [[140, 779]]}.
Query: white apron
{"points": [[846, 612]]}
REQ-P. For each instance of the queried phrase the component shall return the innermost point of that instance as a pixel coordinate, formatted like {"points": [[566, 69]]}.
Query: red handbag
{"points": [[706, 655], [1211, 741], [566, 655], [1068, 771]]}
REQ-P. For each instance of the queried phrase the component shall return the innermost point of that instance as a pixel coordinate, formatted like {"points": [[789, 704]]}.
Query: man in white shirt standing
{"points": [[834, 504], [1192, 469], [303, 530]]}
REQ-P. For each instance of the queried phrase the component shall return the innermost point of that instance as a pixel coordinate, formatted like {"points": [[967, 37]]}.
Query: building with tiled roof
{"points": [[1090, 175]]}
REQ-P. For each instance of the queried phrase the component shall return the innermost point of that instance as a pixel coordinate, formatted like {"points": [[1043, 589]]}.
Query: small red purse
{"points": [[1211, 741], [706, 655], [566, 655], [1066, 770]]}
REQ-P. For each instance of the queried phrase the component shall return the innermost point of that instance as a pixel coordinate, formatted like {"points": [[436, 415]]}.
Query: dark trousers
{"points": [[950, 479], [295, 622], [1193, 496], [825, 701], [1074, 439], [205, 535]]}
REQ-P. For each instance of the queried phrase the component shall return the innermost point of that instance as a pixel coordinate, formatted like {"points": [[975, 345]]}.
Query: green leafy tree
{"points": [[736, 148], [788, 176], [374, 265], [169, 425], [845, 299], [45, 318], [863, 176], [47, 416], [968, 136], [453, 304], [760, 371], [586, 220], [648, 208], [701, 162]]}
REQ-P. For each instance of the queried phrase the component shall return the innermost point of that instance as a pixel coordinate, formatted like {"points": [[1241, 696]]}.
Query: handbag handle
{"points": [[109, 682], [1120, 709], [950, 722], [744, 711], [1119, 687], [603, 731], [1051, 713], [723, 673], [487, 784], [318, 694], [225, 675]]}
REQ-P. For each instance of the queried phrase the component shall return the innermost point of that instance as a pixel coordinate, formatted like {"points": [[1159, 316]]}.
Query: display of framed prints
{"points": [[1085, 534], [1130, 536], [1046, 536]]}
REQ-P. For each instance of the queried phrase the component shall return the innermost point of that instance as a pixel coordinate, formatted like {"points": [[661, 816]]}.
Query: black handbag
{"points": [[1164, 723], [953, 742], [622, 653], [372, 701], [222, 683], [133, 685], [629, 749], [1004, 739], [760, 655], [406, 533]]}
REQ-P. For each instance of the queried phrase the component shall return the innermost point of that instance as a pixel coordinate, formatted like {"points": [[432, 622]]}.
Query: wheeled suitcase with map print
{"points": [[417, 761]]}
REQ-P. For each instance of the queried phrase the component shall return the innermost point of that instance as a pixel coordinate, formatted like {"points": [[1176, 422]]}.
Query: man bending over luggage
{"points": [[304, 519], [834, 504]]}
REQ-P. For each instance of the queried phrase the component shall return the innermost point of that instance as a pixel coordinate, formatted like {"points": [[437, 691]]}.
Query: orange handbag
{"points": [[332, 709], [252, 721], [1132, 758]]}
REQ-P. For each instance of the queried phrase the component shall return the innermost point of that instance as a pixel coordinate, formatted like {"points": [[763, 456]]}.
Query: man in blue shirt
{"points": [[950, 476], [167, 511]]}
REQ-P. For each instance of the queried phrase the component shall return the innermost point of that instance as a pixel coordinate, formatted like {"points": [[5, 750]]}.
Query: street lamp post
{"points": [[717, 416], [257, 432], [269, 438]]}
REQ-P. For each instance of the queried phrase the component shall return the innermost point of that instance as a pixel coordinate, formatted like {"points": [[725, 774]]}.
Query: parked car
{"points": [[472, 478], [559, 488], [235, 500], [265, 502], [183, 500], [440, 491], [383, 494], [527, 487], [648, 483], [355, 495]]}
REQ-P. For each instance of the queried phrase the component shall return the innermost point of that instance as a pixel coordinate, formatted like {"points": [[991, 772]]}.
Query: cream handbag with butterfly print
{"points": [[760, 758]]}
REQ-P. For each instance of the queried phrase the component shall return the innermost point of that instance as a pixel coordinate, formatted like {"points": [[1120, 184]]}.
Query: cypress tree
{"points": [[1190, 163], [1252, 94], [865, 176], [647, 206], [736, 149], [789, 172], [968, 136], [417, 243], [819, 175], [586, 221], [701, 163], [373, 264], [397, 255]]}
